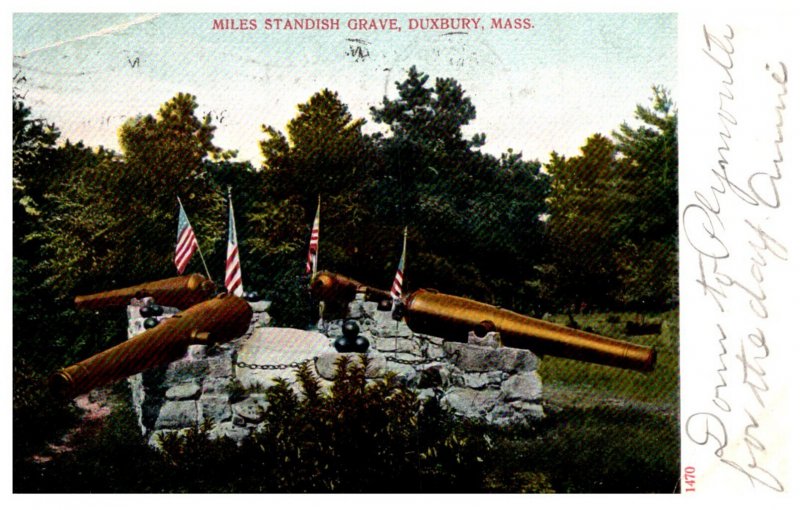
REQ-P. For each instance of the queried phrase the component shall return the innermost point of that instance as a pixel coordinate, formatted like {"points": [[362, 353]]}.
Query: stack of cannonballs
{"points": [[351, 341]]}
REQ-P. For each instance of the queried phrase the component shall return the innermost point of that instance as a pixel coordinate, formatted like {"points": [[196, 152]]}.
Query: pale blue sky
{"points": [[536, 90]]}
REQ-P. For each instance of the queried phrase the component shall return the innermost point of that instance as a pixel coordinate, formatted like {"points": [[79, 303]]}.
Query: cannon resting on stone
{"points": [[212, 321], [336, 291], [452, 318], [180, 292], [335, 287]]}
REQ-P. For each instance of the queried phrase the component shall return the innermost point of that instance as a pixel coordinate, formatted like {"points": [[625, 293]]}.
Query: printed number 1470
{"points": [[688, 479]]}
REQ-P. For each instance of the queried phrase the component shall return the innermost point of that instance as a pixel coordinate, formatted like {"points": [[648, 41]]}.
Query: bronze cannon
{"points": [[180, 292], [217, 320], [452, 317], [332, 287]]}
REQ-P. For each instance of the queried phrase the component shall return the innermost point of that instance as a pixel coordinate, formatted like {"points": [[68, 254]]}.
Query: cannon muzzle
{"points": [[180, 292], [453, 317], [217, 320], [332, 287]]}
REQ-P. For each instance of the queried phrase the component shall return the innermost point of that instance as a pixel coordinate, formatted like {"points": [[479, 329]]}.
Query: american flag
{"points": [[397, 286], [233, 271], [313, 245], [187, 242]]}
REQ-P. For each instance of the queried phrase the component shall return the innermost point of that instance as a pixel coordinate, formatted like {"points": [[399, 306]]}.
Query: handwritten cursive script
{"points": [[730, 273]]}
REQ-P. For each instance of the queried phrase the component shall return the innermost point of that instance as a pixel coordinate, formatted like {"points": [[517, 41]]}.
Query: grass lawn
{"points": [[607, 430], [658, 387]]}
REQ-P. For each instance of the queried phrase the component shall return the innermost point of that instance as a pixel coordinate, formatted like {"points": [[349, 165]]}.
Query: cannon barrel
{"points": [[180, 292], [217, 320], [452, 317], [332, 287]]}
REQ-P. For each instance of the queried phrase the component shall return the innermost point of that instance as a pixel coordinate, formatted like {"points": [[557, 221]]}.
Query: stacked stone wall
{"points": [[478, 380]]}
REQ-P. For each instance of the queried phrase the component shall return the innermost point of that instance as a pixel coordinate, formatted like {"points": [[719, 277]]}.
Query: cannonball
{"points": [[252, 296], [360, 344], [150, 322], [146, 311], [384, 305], [350, 329], [343, 344], [156, 310], [398, 311]]}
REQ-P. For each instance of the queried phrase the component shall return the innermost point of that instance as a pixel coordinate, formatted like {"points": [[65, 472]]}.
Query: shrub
{"points": [[357, 436]]}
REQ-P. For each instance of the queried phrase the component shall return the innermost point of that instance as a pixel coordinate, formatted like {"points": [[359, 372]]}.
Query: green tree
{"points": [[324, 155], [46, 332], [588, 207], [649, 257], [114, 223], [652, 149], [33, 150], [613, 223], [466, 209]]}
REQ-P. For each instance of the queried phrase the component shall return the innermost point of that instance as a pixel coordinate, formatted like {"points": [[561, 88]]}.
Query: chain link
{"points": [[298, 364], [275, 366], [422, 361]]}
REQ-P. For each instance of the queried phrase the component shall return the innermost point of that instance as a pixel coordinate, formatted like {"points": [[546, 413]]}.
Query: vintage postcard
{"points": [[406, 251]]}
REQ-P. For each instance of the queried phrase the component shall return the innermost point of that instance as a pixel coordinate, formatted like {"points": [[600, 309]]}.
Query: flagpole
{"points": [[233, 269], [395, 302], [405, 239], [316, 253], [208, 273], [315, 261]]}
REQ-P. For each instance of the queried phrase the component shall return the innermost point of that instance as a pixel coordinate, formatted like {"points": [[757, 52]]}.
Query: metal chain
{"points": [[298, 364], [440, 359], [276, 366]]}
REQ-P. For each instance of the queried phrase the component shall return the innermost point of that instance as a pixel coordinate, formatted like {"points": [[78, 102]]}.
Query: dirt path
{"points": [[95, 407]]}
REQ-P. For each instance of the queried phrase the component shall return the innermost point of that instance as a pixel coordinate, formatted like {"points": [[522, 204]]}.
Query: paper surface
{"points": [[540, 82]]}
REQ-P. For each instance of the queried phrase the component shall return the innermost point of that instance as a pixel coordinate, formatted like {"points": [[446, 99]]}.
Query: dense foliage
{"points": [[354, 437], [597, 228], [370, 437]]}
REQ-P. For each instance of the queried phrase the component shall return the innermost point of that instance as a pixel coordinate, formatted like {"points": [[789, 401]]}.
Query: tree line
{"points": [[597, 229]]}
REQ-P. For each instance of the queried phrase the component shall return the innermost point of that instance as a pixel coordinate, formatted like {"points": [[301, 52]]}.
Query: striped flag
{"points": [[397, 286], [233, 271], [313, 245], [187, 242]]}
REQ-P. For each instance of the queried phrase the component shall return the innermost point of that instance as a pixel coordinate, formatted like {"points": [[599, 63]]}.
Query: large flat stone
{"points": [[469, 402], [526, 387], [217, 408], [479, 380], [399, 345], [471, 358], [387, 327], [185, 391], [177, 414], [251, 409], [220, 366], [276, 347], [185, 370], [216, 386]]}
